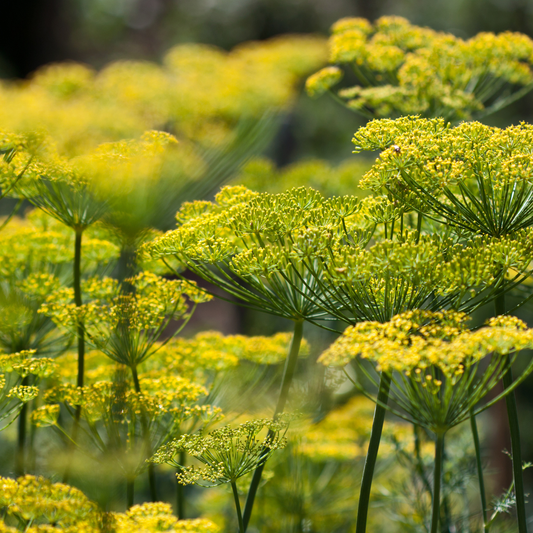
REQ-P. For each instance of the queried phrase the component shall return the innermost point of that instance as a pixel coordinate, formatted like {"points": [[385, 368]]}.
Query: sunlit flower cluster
{"points": [[403, 69], [201, 92], [437, 360], [474, 177]]}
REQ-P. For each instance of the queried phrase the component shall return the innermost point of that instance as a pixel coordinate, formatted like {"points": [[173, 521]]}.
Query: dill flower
{"points": [[472, 177], [158, 517], [434, 361], [255, 237], [226, 454], [126, 327], [123, 424], [35, 500], [403, 69], [15, 390]]}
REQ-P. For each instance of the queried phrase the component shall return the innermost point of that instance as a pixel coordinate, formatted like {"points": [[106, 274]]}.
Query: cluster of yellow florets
{"points": [[403, 69], [42, 506]]}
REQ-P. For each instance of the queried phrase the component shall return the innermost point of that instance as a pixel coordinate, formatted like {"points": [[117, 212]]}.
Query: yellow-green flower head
{"points": [[200, 92], [403, 69], [126, 327], [227, 453], [475, 177], [38, 500], [435, 355], [264, 240], [14, 392], [64, 80], [210, 352], [160, 397], [156, 517]]}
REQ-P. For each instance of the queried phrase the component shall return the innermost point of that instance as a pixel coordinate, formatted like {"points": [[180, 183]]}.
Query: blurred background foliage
{"points": [[95, 32]]}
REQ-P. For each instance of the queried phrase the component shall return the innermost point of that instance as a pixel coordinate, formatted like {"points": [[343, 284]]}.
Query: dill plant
{"points": [[226, 454], [403, 69], [433, 362], [447, 227], [301, 256], [482, 189]]}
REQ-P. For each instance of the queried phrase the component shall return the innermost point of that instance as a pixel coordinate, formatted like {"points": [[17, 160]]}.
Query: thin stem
{"points": [[81, 345], [148, 447], [514, 429], [419, 463], [238, 507], [20, 465], [439, 447], [516, 452], [479, 466], [130, 491], [180, 492], [288, 373], [372, 453], [78, 302], [445, 515]]}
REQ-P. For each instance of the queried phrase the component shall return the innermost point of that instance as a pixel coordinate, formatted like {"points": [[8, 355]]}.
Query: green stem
{"points": [[419, 462], [439, 447], [20, 465], [288, 373], [446, 514], [514, 429], [238, 507], [148, 448], [130, 491], [78, 302], [516, 452], [372, 453], [81, 346], [127, 266], [479, 466], [180, 493]]}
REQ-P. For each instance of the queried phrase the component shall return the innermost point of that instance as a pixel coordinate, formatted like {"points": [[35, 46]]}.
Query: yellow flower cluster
{"points": [[37, 501], [417, 340], [125, 326], [473, 176], [38, 244], [14, 391], [434, 361], [227, 453], [404, 69], [41, 506], [158, 516], [200, 92], [344, 432]]}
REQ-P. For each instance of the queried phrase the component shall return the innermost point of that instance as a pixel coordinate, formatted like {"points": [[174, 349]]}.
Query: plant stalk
{"points": [[20, 458], [78, 302], [479, 466], [514, 429], [238, 507], [180, 492], [437, 475], [81, 344], [372, 453], [130, 491], [146, 436], [288, 373]]}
